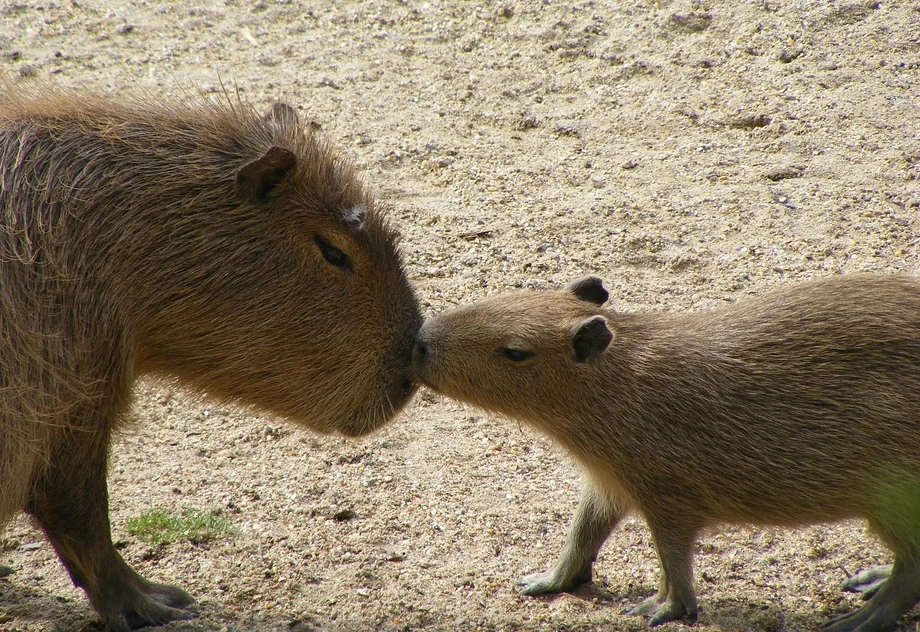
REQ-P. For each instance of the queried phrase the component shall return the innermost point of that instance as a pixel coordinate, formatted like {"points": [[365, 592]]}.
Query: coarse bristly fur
{"points": [[232, 252], [799, 406]]}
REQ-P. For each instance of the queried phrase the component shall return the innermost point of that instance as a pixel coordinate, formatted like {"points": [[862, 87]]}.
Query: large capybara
{"points": [[233, 253], [797, 407]]}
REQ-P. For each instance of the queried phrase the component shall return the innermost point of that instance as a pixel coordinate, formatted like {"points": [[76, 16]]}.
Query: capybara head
{"points": [[510, 353], [233, 251]]}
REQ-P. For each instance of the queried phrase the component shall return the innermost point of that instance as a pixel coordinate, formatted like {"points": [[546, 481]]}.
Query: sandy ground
{"points": [[689, 152]]}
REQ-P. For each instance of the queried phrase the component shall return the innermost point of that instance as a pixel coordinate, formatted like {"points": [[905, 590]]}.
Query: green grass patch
{"points": [[159, 527]]}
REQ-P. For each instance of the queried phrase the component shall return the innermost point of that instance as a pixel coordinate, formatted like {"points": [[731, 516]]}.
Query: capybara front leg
{"points": [[593, 522], [676, 598], [70, 502]]}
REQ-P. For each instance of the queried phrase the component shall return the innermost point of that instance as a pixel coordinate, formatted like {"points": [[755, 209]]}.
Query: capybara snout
{"points": [[234, 253]]}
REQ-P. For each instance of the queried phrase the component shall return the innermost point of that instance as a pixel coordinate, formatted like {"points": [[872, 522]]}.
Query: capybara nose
{"points": [[407, 385], [420, 352]]}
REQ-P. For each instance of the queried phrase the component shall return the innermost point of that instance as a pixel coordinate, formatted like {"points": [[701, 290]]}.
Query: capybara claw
{"points": [[542, 584], [671, 611], [867, 582], [161, 616], [536, 584], [659, 611], [171, 596], [647, 607], [157, 604]]}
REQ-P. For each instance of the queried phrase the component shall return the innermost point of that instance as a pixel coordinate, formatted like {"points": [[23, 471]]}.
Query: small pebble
{"points": [[566, 128]]}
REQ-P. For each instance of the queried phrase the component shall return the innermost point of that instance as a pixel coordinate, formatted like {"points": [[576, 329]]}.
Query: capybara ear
{"points": [[282, 113], [590, 338], [591, 289], [255, 180]]}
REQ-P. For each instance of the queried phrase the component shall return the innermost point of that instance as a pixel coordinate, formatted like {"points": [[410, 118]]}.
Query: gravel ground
{"points": [[689, 152]]}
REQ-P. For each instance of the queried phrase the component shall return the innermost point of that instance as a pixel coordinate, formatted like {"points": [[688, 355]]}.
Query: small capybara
{"points": [[796, 407], [232, 253]]}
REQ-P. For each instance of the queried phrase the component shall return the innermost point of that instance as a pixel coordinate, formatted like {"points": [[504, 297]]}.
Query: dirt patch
{"points": [[689, 152]]}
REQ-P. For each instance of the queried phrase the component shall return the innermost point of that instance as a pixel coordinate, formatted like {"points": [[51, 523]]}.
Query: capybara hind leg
{"points": [[70, 502], [676, 598], [868, 581], [896, 596], [593, 522]]}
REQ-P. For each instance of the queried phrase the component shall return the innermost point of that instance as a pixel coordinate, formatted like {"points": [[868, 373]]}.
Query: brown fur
{"points": [[200, 243], [799, 406]]}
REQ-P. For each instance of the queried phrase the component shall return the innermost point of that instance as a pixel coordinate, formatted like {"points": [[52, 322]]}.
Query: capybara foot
{"points": [[661, 610], [550, 582], [868, 581], [539, 584], [863, 620], [149, 604], [893, 599], [647, 607]]}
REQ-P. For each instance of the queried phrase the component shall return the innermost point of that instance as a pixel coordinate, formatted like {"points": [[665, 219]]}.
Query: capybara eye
{"points": [[332, 254], [516, 355]]}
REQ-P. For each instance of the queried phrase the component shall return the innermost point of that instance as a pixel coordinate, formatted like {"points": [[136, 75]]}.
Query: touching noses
{"points": [[421, 352]]}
